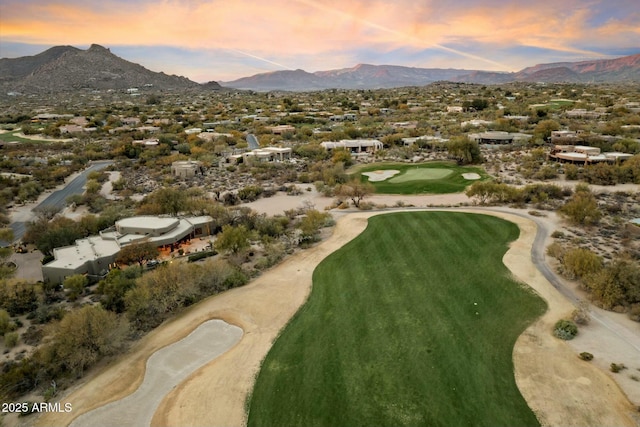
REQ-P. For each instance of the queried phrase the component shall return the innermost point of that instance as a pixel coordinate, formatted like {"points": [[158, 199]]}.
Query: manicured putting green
{"points": [[421, 174], [422, 178], [411, 323]]}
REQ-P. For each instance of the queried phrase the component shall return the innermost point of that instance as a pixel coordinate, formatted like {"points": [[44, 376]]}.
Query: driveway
{"points": [[58, 199]]}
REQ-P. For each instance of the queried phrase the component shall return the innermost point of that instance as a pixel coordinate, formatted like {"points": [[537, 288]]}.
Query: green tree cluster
{"points": [[491, 192], [607, 173], [84, 336], [161, 292], [311, 224], [582, 207], [610, 285], [75, 285], [75, 343], [464, 150], [233, 239], [19, 297]]}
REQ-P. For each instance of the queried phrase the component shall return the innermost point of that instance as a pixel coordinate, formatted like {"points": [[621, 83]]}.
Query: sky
{"points": [[223, 40]]}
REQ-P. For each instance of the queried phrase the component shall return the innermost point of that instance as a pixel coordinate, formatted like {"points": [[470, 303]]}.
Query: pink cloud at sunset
{"points": [[223, 40]]}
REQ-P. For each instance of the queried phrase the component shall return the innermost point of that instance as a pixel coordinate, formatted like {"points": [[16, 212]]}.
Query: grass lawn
{"points": [[411, 323], [418, 174], [11, 136], [431, 177]]}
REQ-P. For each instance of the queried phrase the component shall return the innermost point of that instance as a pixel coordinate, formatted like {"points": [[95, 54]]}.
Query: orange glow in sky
{"points": [[222, 40]]}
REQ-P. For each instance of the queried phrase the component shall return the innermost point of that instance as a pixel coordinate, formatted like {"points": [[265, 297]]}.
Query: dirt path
{"points": [[560, 388]]}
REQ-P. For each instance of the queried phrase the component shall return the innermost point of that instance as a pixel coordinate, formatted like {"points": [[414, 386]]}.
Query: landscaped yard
{"points": [[411, 323], [432, 177]]}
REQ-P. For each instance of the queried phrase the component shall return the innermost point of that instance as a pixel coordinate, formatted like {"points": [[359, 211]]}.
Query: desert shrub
{"points": [[556, 251], [75, 285], [581, 314], [601, 174], [586, 356], [250, 193], [18, 297], [47, 313], [616, 284], [6, 325], [582, 208], [546, 172], [571, 172], [201, 255], [33, 335], [565, 330], [495, 193], [235, 279], [230, 199], [557, 234], [534, 192], [273, 253], [617, 367], [580, 262], [11, 339], [634, 312]]}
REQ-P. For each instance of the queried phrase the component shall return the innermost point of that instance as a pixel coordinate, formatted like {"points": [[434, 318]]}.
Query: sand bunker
{"points": [[166, 368], [380, 175], [471, 176]]}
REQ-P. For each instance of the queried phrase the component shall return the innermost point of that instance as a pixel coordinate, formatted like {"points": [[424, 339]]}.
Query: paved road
{"points": [[58, 199]]}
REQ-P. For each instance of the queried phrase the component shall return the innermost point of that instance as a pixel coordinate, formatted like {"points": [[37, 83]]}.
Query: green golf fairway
{"points": [[411, 323]]}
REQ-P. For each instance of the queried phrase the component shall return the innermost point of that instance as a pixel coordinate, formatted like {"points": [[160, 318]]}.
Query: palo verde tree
{"points": [[355, 190], [82, 337], [233, 239], [166, 200], [464, 150]]}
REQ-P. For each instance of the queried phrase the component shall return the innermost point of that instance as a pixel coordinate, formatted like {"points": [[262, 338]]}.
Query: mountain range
{"points": [[66, 68], [365, 76]]}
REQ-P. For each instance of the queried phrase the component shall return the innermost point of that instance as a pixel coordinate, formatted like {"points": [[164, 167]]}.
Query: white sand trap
{"points": [[166, 368], [380, 175], [471, 176]]}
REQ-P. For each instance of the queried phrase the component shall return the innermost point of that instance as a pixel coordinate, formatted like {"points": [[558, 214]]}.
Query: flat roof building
{"points": [[354, 145], [499, 137], [585, 155], [94, 255], [186, 168]]}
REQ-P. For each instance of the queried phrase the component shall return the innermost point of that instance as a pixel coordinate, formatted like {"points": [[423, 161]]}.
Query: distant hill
{"points": [[362, 76], [66, 68], [626, 68], [365, 76]]}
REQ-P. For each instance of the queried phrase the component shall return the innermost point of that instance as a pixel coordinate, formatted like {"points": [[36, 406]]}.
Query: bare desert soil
{"points": [[559, 387]]}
